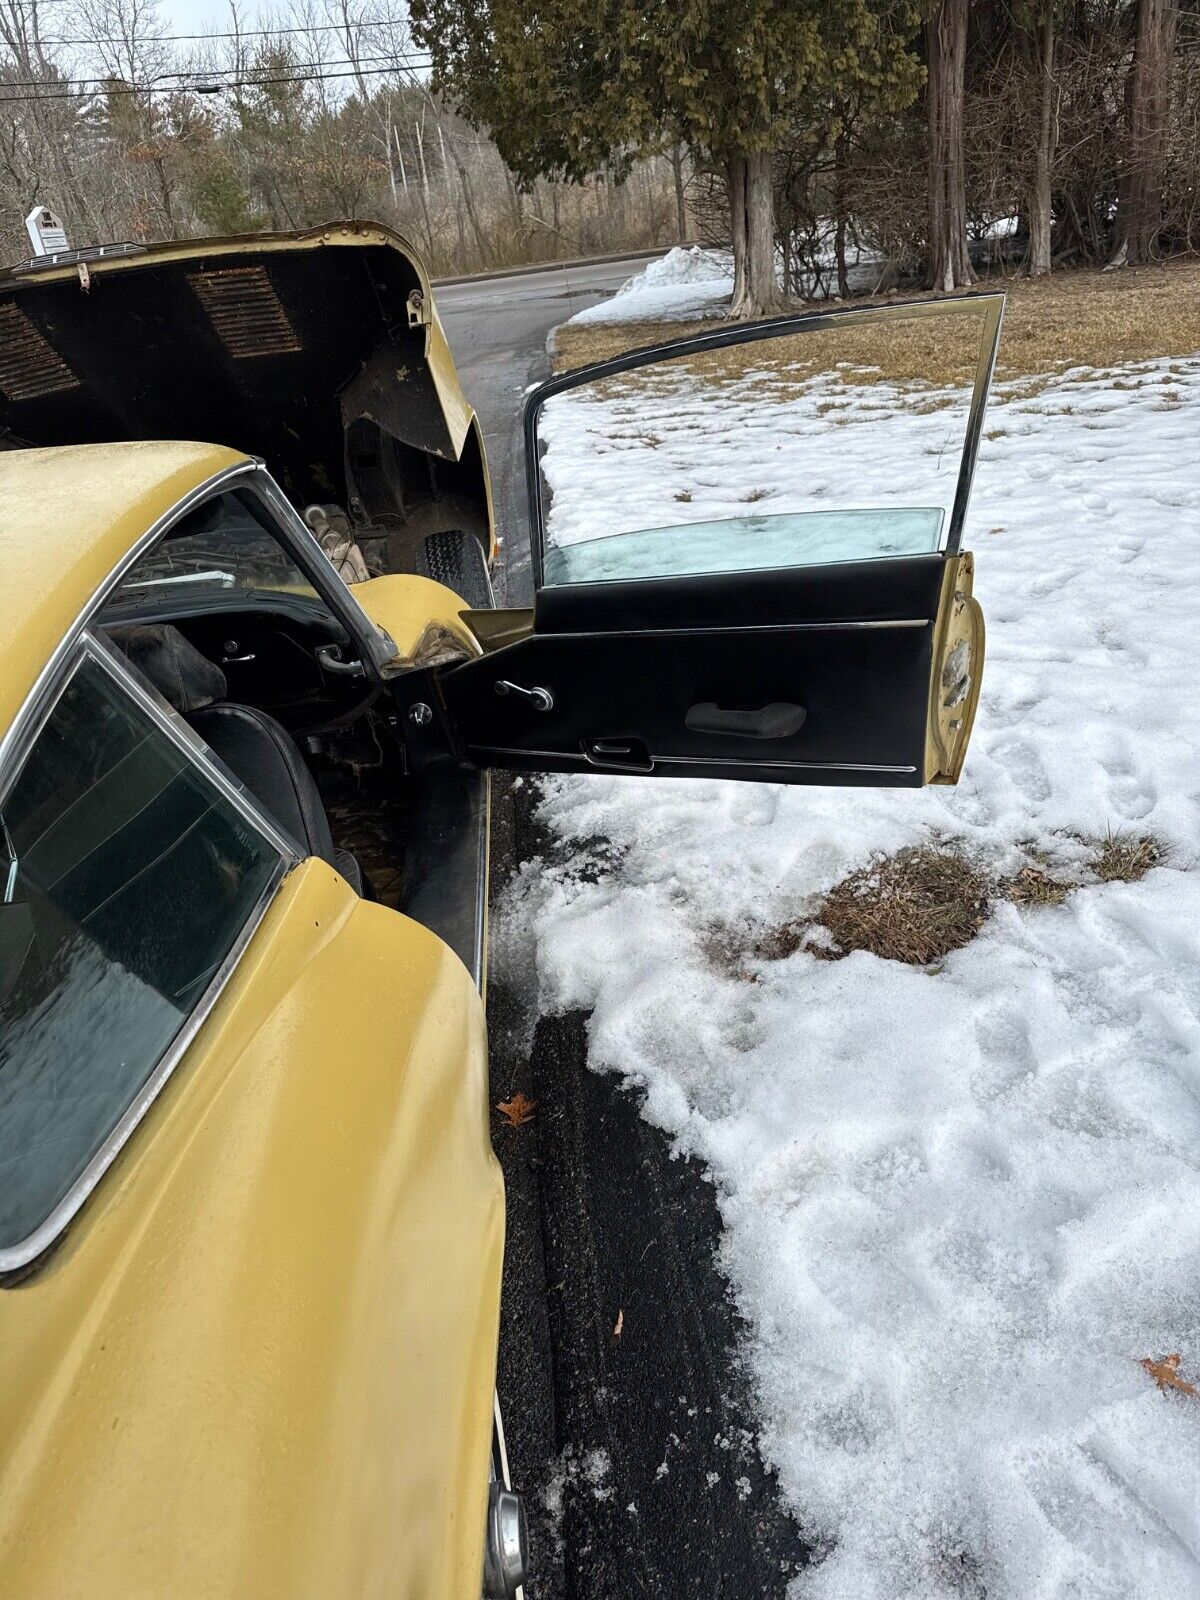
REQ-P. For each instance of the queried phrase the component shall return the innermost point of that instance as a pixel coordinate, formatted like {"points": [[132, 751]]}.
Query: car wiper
{"points": [[215, 575]]}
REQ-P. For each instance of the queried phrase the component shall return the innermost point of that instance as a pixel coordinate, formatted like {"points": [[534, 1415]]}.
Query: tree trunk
{"points": [[1040, 216], [752, 234], [1139, 193], [423, 184], [762, 286], [481, 244], [515, 200], [737, 234], [946, 37], [839, 242], [681, 215]]}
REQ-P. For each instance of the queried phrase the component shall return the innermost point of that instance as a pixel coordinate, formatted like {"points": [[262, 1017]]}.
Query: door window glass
{"points": [[841, 438], [125, 879]]}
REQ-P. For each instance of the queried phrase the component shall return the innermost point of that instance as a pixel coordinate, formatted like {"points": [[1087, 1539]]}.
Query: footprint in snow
{"points": [[1006, 1054], [1132, 794], [1020, 760]]}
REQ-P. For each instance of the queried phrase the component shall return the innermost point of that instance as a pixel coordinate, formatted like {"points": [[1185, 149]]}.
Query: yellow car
{"points": [[251, 1226]]}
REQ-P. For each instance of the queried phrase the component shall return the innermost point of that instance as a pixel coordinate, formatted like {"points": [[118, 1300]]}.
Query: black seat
{"points": [[259, 751], [266, 758]]}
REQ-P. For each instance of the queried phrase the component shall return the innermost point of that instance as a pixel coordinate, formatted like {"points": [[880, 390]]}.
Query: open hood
{"points": [[318, 351]]}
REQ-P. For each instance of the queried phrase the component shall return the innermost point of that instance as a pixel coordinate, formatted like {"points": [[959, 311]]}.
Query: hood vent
{"points": [[30, 366], [245, 311]]}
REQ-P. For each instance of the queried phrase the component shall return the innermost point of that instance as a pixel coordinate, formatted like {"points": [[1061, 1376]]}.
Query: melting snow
{"points": [[960, 1205]]}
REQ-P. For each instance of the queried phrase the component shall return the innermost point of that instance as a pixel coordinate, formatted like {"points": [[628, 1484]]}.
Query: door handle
{"points": [[329, 657], [540, 699], [779, 720], [623, 755]]}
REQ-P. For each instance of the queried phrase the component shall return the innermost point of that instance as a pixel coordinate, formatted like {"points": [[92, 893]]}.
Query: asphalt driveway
{"points": [[497, 328], [630, 1425]]}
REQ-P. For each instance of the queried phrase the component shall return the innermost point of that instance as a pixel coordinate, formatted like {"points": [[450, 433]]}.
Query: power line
{"points": [[399, 57], [248, 33], [304, 72], [382, 61]]}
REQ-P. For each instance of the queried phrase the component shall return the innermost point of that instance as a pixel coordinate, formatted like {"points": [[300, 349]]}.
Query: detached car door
{"points": [[747, 558]]}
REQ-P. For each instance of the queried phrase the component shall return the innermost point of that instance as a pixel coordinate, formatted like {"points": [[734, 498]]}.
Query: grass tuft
{"points": [[1126, 858], [915, 906], [1033, 886]]}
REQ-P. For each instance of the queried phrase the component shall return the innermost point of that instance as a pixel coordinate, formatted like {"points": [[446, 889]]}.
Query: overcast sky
{"points": [[195, 16]]}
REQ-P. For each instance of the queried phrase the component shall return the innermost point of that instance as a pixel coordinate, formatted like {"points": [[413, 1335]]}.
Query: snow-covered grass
{"points": [[959, 1204]]}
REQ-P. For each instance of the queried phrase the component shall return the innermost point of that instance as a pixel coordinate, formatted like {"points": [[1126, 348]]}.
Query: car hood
{"points": [[280, 345]]}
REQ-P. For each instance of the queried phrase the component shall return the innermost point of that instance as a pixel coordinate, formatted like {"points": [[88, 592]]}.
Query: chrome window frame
{"points": [[304, 546], [295, 535], [15, 740], [297, 540], [990, 303], [89, 647]]}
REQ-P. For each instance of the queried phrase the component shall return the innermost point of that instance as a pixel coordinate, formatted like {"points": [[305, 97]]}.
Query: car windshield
{"points": [[223, 546]]}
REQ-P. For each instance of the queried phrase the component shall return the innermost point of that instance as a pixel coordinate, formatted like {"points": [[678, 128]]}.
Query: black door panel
{"points": [[862, 688]]}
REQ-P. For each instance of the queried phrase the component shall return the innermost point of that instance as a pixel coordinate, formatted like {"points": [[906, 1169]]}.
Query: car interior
{"points": [[254, 746], [222, 624]]}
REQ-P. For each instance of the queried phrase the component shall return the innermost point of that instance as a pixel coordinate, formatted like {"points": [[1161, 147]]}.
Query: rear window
{"points": [[126, 877]]}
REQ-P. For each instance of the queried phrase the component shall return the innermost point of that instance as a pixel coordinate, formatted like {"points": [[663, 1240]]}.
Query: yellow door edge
{"points": [[956, 671], [496, 628]]}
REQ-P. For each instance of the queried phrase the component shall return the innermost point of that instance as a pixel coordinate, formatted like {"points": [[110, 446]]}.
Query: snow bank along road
{"points": [[958, 1204]]}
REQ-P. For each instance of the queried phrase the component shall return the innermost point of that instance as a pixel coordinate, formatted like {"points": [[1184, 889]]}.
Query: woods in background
{"points": [[928, 138], [130, 134]]}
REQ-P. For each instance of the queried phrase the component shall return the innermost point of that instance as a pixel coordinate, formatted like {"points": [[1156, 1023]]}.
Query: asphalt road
{"points": [[630, 1422], [497, 329]]}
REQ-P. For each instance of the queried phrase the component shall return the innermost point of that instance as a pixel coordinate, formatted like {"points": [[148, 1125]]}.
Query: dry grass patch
{"points": [[925, 901], [937, 353], [915, 906], [1034, 886], [1087, 318], [1126, 858]]}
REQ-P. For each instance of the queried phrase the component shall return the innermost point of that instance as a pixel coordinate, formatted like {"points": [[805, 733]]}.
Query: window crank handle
{"points": [[540, 699]]}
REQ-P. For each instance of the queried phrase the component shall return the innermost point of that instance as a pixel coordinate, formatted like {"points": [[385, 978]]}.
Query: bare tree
{"points": [[1044, 42]]}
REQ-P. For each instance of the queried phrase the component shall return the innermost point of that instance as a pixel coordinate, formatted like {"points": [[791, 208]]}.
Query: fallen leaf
{"points": [[1166, 1374], [619, 1324], [517, 1111]]}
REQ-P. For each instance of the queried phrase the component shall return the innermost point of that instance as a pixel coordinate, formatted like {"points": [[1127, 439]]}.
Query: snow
{"points": [[690, 282], [683, 284], [575, 1472], [958, 1204]]}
